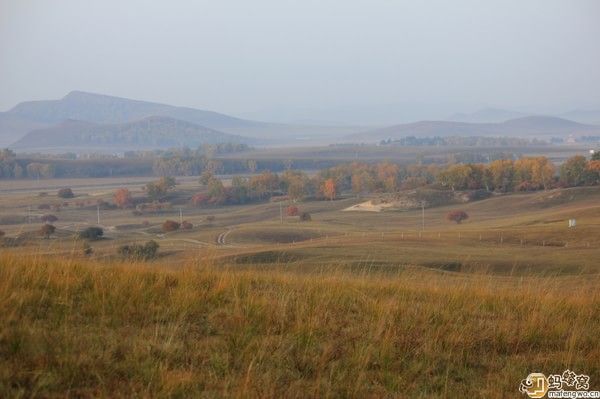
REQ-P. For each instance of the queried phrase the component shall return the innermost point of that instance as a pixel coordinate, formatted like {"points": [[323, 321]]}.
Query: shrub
{"points": [[477, 195], [138, 251], [43, 206], [49, 218], [42, 194], [457, 216], [291, 210], [210, 218], [2, 233], [65, 193], [136, 212], [145, 223], [87, 249], [91, 233], [185, 225], [305, 217], [105, 205], [170, 225], [47, 230]]}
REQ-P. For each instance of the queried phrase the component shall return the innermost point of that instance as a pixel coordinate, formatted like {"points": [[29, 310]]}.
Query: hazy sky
{"points": [[266, 56]]}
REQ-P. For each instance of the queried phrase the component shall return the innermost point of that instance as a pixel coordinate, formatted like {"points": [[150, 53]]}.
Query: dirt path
{"points": [[222, 236]]}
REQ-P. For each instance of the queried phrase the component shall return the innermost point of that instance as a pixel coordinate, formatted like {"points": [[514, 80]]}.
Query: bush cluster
{"points": [[139, 251]]}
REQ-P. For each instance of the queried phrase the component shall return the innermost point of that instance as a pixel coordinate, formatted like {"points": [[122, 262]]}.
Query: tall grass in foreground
{"points": [[82, 329]]}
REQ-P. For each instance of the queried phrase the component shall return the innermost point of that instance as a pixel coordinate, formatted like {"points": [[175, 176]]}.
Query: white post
{"points": [[180, 216]]}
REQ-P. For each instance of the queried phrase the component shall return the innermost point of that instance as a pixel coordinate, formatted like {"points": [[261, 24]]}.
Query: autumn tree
{"points": [[122, 198], [574, 171], [159, 189], [594, 170], [362, 182], [216, 191], [457, 216], [263, 185], [537, 172], [329, 190], [456, 177], [295, 183], [206, 177], [502, 174], [387, 174]]}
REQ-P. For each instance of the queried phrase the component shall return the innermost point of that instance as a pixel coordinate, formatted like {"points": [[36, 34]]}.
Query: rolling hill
{"points": [[100, 108], [148, 133], [529, 126], [104, 109], [13, 126]]}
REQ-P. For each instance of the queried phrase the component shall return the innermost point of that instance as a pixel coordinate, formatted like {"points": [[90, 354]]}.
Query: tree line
{"points": [[506, 175]]}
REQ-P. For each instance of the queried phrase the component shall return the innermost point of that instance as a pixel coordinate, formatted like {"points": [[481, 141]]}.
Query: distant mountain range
{"points": [[56, 118], [527, 127], [92, 122], [148, 133], [496, 115]]}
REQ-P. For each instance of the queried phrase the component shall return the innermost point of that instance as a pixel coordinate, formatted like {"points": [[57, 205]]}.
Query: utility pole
{"points": [[423, 215], [180, 216], [29, 214], [98, 213], [281, 213]]}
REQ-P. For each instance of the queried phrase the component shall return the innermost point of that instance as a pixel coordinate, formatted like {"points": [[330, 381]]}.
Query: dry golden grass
{"points": [[76, 328]]}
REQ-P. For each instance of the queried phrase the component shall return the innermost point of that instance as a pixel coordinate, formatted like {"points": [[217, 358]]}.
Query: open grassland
{"points": [[517, 234], [80, 328]]}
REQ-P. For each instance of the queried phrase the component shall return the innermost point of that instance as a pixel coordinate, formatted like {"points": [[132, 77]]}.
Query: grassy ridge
{"points": [[86, 329]]}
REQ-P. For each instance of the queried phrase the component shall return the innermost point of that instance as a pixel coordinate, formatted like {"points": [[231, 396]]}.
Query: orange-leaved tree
{"points": [[457, 216], [123, 198], [329, 189]]}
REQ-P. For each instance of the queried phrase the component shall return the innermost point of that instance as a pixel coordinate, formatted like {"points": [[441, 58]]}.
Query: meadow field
{"points": [[248, 303], [78, 328]]}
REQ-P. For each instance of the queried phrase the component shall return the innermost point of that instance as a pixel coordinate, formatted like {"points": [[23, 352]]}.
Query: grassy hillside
{"points": [[148, 133], [77, 328]]}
